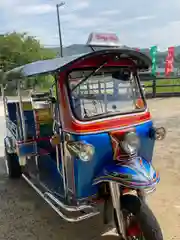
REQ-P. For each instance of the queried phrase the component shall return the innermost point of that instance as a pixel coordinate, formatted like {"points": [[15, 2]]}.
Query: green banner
{"points": [[153, 53]]}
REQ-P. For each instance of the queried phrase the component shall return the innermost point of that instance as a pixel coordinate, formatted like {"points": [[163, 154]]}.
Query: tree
{"points": [[18, 49], [10, 76]]}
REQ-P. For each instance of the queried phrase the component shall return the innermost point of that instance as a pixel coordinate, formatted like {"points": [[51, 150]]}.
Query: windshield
{"points": [[104, 92]]}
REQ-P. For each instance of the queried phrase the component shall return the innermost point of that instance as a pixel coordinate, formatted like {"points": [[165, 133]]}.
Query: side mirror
{"points": [[122, 75], [160, 133], [157, 133]]}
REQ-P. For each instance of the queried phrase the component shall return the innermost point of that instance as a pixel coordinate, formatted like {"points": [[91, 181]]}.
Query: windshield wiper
{"points": [[91, 74]]}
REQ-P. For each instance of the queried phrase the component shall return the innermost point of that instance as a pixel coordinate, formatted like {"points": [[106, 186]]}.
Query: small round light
{"points": [[160, 133], [86, 153], [82, 150]]}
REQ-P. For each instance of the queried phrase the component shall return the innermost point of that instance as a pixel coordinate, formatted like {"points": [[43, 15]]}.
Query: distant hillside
{"points": [[81, 48], [72, 49]]}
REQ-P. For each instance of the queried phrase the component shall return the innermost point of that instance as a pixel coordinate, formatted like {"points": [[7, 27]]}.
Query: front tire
{"points": [[12, 165], [144, 218]]}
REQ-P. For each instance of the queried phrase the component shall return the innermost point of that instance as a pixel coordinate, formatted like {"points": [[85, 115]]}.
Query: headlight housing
{"points": [[82, 150], [130, 143]]}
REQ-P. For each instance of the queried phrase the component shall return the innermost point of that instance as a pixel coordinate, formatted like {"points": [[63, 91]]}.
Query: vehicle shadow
{"points": [[24, 214]]}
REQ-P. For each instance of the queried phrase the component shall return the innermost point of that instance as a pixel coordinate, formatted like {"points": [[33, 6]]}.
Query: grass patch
{"points": [[148, 84], [167, 88]]}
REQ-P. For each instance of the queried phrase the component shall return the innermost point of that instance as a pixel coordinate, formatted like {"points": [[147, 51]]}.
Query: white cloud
{"points": [[109, 12], [168, 35], [140, 18], [164, 36], [139, 23], [71, 17], [81, 5], [8, 3], [35, 9], [79, 22], [134, 20]]}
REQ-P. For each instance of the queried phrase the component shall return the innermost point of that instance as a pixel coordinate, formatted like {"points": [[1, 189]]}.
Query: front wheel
{"points": [[140, 222]]}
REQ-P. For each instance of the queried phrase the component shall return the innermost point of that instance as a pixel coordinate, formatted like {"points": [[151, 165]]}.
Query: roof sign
{"points": [[103, 39]]}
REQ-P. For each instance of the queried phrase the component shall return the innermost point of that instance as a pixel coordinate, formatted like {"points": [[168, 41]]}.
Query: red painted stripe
{"points": [[34, 140], [106, 124]]}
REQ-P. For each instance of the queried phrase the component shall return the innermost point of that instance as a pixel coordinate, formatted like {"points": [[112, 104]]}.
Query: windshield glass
{"points": [[104, 92]]}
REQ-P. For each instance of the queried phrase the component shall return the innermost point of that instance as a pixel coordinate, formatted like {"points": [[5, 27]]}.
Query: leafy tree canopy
{"points": [[17, 49]]}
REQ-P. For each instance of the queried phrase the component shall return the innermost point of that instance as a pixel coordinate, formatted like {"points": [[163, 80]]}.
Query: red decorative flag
{"points": [[137, 49], [169, 61]]}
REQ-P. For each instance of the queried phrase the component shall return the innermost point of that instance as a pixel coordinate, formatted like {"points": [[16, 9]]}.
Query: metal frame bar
{"points": [[9, 124], [4, 98], [115, 194], [47, 196], [61, 145], [68, 208], [21, 110]]}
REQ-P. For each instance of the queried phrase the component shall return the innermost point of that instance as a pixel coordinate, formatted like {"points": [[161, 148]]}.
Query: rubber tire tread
{"points": [[145, 217], [13, 165]]}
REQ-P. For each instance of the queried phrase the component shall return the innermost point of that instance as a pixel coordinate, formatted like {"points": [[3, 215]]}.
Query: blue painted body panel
{"points": [[146, 143], [50, 175], [85, 172], [27, 149], [138, 173]]}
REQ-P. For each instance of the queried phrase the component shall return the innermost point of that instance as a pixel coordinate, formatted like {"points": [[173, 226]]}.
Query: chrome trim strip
{"points": [[66, 207]]}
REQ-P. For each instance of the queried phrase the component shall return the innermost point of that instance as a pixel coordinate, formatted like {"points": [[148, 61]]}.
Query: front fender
{"points": [[136, 173]]}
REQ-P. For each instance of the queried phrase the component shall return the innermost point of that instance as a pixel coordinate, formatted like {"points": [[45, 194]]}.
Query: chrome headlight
{"points": [[82, 150], [130, 143]]}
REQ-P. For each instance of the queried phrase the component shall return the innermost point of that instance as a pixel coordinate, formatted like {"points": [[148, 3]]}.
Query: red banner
{"points": [[169, 61], [137, 49]]}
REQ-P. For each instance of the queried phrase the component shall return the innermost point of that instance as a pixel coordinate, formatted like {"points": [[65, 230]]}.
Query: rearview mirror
{"points": [[122, 75]]}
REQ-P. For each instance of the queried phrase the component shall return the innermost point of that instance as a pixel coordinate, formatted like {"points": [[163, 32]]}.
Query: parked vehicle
{"points": [[92, 142]]}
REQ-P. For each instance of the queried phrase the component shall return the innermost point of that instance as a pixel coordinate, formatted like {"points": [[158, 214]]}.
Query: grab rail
{"points": [[11, 126]]}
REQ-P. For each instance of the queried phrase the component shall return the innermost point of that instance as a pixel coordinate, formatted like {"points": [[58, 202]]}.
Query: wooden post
{"points": [[154, 87]]}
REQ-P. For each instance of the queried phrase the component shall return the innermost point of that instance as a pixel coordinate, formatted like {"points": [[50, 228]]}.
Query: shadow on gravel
{"points": [[24, 215]]}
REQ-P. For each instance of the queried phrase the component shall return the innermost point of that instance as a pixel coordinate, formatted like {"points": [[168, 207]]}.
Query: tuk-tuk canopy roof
{"points": [[59, 64]]}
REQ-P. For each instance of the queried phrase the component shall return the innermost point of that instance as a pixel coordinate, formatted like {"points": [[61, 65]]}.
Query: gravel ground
{"points": [[24, 215]]}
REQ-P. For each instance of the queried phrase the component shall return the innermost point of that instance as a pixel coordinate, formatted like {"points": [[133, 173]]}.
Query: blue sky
{"points": [[138, 23]]}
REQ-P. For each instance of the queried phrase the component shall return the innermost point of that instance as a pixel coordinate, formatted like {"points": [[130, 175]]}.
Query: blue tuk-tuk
{"points": [[89, 142]]}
